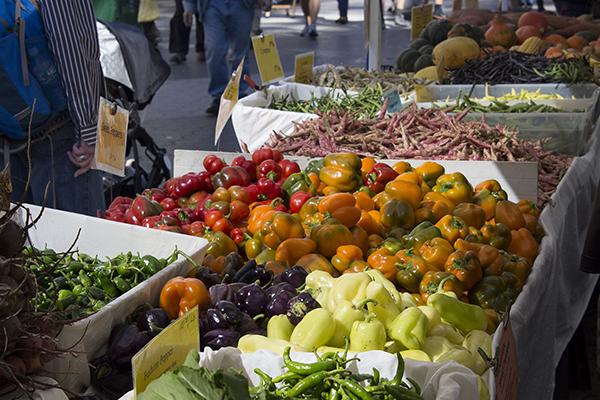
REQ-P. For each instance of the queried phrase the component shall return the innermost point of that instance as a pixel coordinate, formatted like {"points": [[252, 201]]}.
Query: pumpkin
{"points": [[454, 52], [500, 33], [587, 35], [418, 43], [406, 60], [554, 52], [436, 31], [423, 62], [576, 42], [556, 40], [533, 18], [527, 31], [427, 49]]}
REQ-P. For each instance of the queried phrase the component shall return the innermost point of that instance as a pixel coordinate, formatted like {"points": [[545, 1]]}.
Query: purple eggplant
{"points": [[274, 290], [232, 264], [278, 304], [299, 306], [218, 292], [247, 325], [153, 321], [220, 338], [208, 277], [125, 342], [215, 319], [251, 299], [231, 313], [295, 276]]}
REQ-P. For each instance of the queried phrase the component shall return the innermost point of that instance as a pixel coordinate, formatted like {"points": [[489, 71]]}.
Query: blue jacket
{"points": [[199, 6]]}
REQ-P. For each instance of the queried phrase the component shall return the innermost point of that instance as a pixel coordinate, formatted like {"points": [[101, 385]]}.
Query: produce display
{"points": [[522, 94], [356, 79], [78, 285], [425, 134], [464, 102]]}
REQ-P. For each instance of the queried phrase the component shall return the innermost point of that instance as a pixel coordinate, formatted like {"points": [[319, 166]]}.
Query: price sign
{"points": [[267, 58], [393, 99], [420, 17], [111, 138], [506, 369], [303, 67], [166, 351], [229, 99]]}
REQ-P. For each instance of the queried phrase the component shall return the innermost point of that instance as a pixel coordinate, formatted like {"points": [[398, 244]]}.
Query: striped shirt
{"points": [[70, 27]]}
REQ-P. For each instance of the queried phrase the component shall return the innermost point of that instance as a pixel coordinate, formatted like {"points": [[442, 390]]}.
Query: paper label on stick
{"points": [[303, 67], [229, 99], [507, 369], [166, 351], [111, 138], [393, 98], [420, 17], [267, 58]]}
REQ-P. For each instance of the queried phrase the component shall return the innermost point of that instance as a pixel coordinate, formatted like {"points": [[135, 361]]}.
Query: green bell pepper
{"points": [[297, 182], [420, 234], [497, 292], [315, 166]]}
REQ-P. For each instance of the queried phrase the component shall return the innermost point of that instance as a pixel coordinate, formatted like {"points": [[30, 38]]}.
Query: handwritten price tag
{"points": [[229, 99], [267, 58], [420, 17], [507, 368], [393, 98], [111, 138], [166, 351], [303, 67]]}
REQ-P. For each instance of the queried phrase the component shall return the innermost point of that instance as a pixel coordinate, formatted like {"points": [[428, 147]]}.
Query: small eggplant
{"points": [[299, 306], [219, 338], [208, 277], [278, 304], [296, 276], [215, 319], [247, 325], [249, 266], [231, 313], [274, 290], [219, 292], [251, 299], [126, 341], [232, 264], [153, 321]]}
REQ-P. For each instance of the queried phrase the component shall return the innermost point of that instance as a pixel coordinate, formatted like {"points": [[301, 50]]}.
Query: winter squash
{"points": [[533, 18], [500, 33], [527, 31]]}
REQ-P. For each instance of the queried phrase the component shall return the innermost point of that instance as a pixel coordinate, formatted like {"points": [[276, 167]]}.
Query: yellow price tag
{"points": [[420, 17], [303, 67], [267, 58], [111, 138], [166, 351], [229, 99]]}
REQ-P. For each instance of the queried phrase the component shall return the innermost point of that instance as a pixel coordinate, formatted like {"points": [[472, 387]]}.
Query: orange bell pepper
{"points": [[497, 235], [433, 207], [401, 167], [309, 213], [411, 177], [490, 258], [357, 266], [466, 267], [410, 269], [517, 265], [316, 262], [179, 295], [363, 201], [374, 241], [369, 224], [429, 172], [522, 243], [281, 227], [436, 251], [487, 194], [471, 213], [528, 207], [452, 228], [531, 223], [381, 198], [259, 216], [329, 204], [313, 177], [291, 250], [366, 166], [331, 236], [404, 190], [346, 255], [360, 238], [385, 262], [347, 216], [508, 213]]}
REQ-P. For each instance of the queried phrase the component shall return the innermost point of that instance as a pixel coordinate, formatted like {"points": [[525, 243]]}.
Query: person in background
{"points": [[574, 8], [258, 10], [62, 151], [437, 8], [343, 9], [179, 36], [227, 28], [310, 8]]}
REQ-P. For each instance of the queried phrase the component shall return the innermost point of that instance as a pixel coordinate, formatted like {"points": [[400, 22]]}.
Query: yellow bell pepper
{"points": [[452, 228], [455, 187]]}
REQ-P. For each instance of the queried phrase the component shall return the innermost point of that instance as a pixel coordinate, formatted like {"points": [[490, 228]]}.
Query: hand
{"points": [[82, 156], [188, 18]]}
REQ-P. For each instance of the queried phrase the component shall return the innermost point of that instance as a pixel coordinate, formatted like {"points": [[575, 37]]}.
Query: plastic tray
{"points": [[443, 92]]}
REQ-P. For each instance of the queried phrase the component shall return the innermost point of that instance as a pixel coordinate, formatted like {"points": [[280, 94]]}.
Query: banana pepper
{"points": [[315, 330], [345, 315], [348, 287], [409, 328], [367, 335], [383, 306], [463, 316]]}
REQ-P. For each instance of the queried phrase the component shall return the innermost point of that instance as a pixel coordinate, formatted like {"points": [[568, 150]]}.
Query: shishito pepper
{"points": [[436, 251], [367, 335], [463, 316], [410, 192], [452, 228], [490, 259], [315, 330], [341, 171], [346, 255], [487, 194], [455, 187], [344, 315], [420, 234], [298, 182], [282, 226], [496, 292], [430, 171], [409, 328], [180, 295], [497, 235], [465, 266], [411, 269], [434, 281], [384, 306], [397, 214]]}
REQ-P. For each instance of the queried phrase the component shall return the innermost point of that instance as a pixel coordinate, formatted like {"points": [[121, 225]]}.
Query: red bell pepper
{"points": [[197, 228], [216, 221], [379, 175], [261, 155], [238, 235], [288, 167], [155, 194], [168, 204], [248, 165], [167, 219], [131, 218], [197, 199], [269, 169], [189, 183], [151, 222], [115, 215], [231, 176], [143, 207], [169, 228], [238, 211], [268, 189], [297, 201], [120, 201], [252, 191], [213, 164]]}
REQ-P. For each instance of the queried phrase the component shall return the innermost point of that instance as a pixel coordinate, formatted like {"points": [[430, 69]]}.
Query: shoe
{"points": [[342, 20], [201, 56], [213, 109], [313, 31], [305, 30], [257, 32], [178, 58], [401, 21]]}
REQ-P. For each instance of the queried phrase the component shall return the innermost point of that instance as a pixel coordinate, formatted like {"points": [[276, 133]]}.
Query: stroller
{"points": [[133, 72]]}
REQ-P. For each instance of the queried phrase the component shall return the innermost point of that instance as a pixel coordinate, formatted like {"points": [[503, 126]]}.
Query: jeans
{"points": [[83, 195], [179, 33], [343, 7], [227, 26]]}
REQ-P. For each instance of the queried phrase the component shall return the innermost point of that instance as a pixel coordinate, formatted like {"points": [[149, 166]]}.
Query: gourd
{"points": [[454, 52]]}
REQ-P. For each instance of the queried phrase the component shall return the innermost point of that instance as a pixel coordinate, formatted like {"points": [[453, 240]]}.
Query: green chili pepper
{"points": [[307, 383], [78, 290], [96, 293], [306, 369], [402, 393], [84, 279], [121, 284], [287, 377], [65, 299], [353, 387]]}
